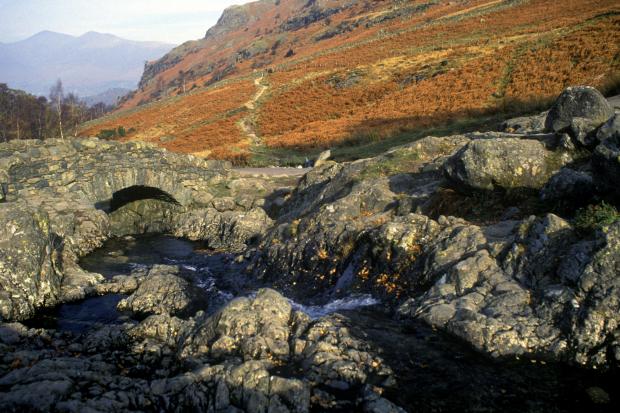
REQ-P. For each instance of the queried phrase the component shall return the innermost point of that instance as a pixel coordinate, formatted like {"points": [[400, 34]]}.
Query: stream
{"points": [[435, 372], [216, 273]]}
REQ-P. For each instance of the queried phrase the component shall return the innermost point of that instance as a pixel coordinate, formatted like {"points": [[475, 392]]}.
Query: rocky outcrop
{"points": [[594, 332], [581, 110], [28, 250], [325, 221], [505, 294], [508, 163], [264, 331], [507, 285], [252, 328]]}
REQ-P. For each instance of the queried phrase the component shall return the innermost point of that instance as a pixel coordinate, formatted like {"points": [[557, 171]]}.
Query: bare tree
{"points": [[56, 97]]}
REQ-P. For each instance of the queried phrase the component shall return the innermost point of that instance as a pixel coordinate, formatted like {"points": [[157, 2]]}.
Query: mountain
{"points": [[109, 97], [89, 64], [275, 81]]}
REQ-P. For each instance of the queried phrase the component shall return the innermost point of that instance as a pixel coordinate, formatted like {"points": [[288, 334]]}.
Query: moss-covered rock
{"points": [[507, 163]]}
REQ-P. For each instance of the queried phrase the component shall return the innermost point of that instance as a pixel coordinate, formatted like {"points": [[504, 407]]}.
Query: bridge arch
{"points": [[109, 190]]}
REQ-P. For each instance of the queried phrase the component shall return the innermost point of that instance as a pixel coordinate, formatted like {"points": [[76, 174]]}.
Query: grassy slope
{"points": [[438, 70]]}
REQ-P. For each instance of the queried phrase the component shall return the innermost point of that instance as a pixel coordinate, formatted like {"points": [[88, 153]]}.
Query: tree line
{"points": [[25, 116]]}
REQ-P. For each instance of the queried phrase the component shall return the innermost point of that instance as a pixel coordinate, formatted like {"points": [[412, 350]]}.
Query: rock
{"points": [[509, 164], [609, 130], [11, 333], [162, 327], [119, 284], [578, 102], [583, 130], [253, 328], [374, 403], [224, 204], [596, 314], [164, 292], [333, 356], [606, 164], [525, 124], [322, 158], [569, 184], [30, 395], [28, 279], [598, 395], [233, 230]]}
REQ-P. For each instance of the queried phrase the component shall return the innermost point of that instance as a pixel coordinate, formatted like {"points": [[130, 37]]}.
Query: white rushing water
{"points": [[347, 303]]}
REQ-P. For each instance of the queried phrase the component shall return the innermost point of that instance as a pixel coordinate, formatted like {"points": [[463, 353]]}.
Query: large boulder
{"points": [[27, 247], [254, 328], [164, 292], [531, 288], [507, 163], [580, 108]]}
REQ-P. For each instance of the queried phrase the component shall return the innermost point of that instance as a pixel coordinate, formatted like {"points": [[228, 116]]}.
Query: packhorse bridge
{"points": [[59, 200], [95, 170]]}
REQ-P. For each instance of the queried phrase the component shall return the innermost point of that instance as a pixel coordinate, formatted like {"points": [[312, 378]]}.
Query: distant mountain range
{"points": [[88, 65], [109, 97]]}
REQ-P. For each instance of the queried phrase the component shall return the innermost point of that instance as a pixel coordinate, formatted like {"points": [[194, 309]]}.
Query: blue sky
{"points": [[171, 21]]}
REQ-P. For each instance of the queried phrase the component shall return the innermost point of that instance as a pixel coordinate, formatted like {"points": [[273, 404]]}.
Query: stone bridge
{"points": [[59, 200], [95, 170]]}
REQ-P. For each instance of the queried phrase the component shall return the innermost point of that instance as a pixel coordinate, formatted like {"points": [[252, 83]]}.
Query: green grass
{"points": [[596, 217]]}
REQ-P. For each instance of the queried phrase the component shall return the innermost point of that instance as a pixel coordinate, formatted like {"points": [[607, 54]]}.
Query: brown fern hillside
{"points": [[296, 76]]}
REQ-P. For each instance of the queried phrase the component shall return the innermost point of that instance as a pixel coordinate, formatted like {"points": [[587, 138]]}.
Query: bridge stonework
{"points": [[94, 170], [49, 214]]}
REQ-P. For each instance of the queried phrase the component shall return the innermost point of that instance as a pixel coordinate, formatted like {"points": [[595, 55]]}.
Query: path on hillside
{"points": [[248, 124]]}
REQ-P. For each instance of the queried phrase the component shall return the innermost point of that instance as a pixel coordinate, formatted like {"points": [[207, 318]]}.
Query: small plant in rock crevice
{"points": [[596, 217]]}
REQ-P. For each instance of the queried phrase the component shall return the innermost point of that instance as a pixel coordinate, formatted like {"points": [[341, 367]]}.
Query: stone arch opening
{"points": [[140, 209], [134, 193], [138, 193]]}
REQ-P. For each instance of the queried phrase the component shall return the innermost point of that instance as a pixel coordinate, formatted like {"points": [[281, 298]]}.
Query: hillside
{"points": [[275, 80], [88, 65]]}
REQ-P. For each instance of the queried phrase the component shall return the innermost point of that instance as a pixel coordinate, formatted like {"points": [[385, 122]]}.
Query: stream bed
{"points": [[435, 372]]}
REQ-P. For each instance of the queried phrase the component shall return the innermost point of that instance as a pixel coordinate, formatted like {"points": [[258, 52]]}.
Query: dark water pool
{"points": [[215, 272], [81, 316]]}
